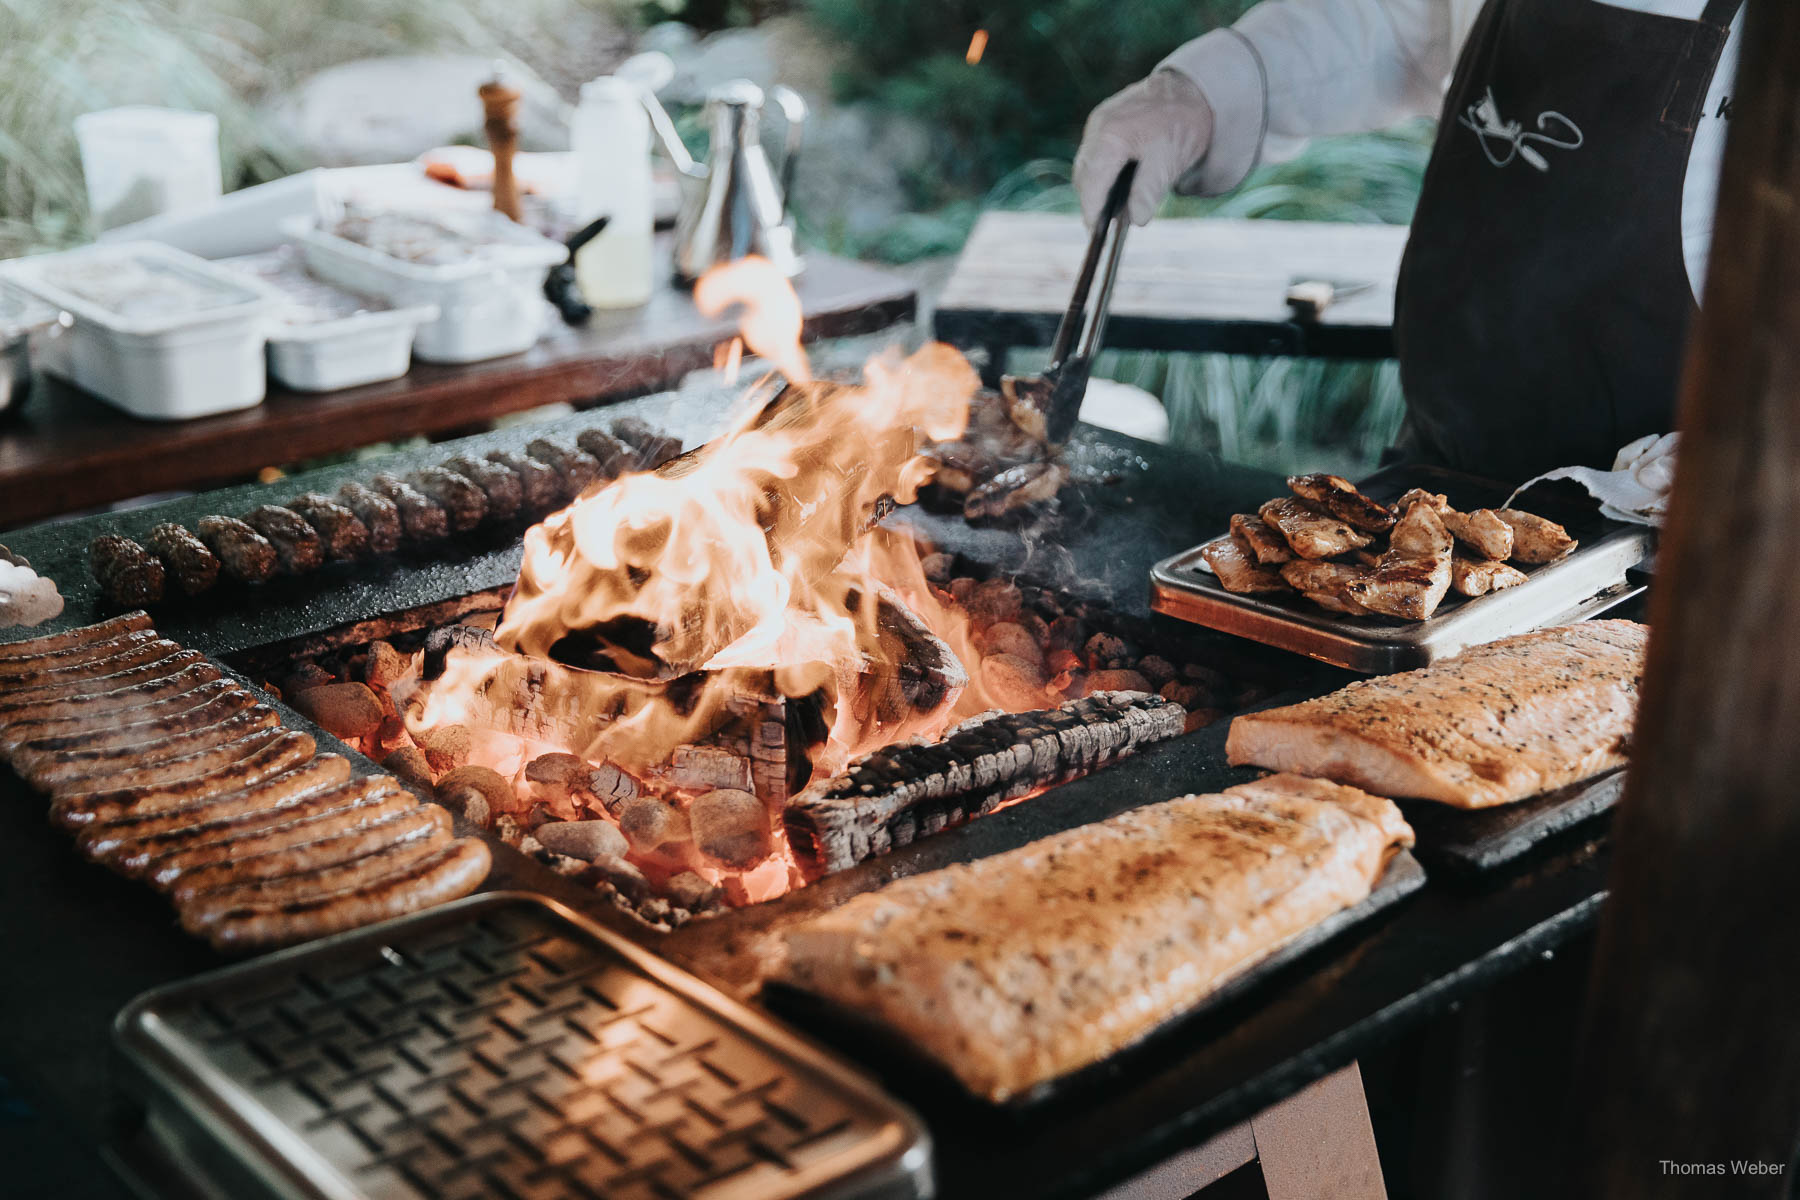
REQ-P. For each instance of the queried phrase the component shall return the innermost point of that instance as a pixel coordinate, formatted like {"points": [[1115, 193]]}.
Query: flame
{"points": [[977, 47], [772, 319]]}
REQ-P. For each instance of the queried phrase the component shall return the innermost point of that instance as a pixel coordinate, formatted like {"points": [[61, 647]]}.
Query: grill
{"points": [[501, 1048]]}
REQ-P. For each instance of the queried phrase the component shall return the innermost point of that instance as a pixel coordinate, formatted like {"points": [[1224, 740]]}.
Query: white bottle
{"points": [[610, 135]]}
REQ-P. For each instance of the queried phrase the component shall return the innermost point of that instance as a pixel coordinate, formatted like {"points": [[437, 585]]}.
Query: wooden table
{"points": [[66, 450], [1184, 285]]}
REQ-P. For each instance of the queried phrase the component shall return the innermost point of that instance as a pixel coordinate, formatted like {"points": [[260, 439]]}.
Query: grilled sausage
{"points": [[465, 505], [541, 489], [297, 545], [77, 682], [574, 467], [298, 855], [205, 706], [51, 643], [505, 493], [343, 535], [289, 749], [453, 871], [99, 703], [422, 519], [136, 654], [614, 456], [256, 853], [15, 669], [185, 557], [89, 770], [379, 515], [129, 846], [128, 782], [244, 554], [127, 573], [653, 448]]}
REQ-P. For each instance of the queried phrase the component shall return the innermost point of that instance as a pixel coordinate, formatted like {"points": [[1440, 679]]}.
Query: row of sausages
{"points": [[377, 517], [169, 772]]}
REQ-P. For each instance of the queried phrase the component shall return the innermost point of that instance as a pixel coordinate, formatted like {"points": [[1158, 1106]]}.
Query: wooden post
{"points": [[500, 103], [1691, 1060]]}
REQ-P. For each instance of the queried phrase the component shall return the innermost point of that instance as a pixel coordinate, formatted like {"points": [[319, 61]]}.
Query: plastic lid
{"points": [[609, 89], [144, 117]]}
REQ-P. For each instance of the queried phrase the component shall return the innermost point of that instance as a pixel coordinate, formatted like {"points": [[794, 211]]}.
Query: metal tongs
{"points": [[1056, 395]]}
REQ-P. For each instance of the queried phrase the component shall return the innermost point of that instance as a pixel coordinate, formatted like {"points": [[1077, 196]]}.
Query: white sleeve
{"points": [[1290, 69]]}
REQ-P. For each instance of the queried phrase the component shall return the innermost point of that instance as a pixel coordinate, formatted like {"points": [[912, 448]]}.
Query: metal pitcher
{"points": [[732, 204]]}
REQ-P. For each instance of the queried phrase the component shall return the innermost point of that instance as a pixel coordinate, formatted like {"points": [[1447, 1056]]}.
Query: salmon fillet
{"points": [[1495, 724], [1022, 967]]}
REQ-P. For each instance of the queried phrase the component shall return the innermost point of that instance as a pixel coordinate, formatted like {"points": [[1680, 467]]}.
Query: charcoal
{"points": [[409, 766], [422, 519], [731, 828], [1009, 637], [384, 665], [379, 515], [894, 795], [575, 468], [688, 890], [705, 767], [655, 827], [541, 488], [586, 840], [1014, 682], [1157, 669], [1118, 681], [504, 490], [614, 788], [447, 746], [609, 870], [995, 600]]}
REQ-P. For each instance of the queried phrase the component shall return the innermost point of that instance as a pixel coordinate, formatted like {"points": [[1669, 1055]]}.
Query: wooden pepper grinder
{"points": [[500, 102]]}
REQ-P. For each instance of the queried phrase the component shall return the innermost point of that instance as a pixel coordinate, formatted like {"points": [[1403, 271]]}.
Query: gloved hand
{"points": [[1163, 121]]}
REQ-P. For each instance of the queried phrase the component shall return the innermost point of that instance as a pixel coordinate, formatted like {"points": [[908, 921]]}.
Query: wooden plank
{"points": [[1692, 1054], [67, 450]]}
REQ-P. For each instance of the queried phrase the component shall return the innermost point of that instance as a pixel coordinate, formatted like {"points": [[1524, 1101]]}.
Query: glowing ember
{"points": [[977, 47]]}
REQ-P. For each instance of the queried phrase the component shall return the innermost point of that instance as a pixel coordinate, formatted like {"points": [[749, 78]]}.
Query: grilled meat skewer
{"points": [[244, 554]]}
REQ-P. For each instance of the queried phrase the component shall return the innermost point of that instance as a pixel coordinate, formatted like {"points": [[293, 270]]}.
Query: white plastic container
{"points": [[610, 137], [484, 274], [322, 338], [140, 162], [247, 221], [159, 333]]}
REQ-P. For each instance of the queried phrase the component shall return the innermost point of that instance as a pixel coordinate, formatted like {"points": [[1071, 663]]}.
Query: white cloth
{"points": [[1294, 69], [26, 598], [1636, 490]]}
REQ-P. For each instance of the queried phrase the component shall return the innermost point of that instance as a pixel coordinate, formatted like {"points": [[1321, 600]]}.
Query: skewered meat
{"points": [[1326, 584], [1020, 967], [422, 519], [464, 505], [194, 762], [321, 784], [1265, 545], [343, 535], [1411, 579], [1339, 497], [289, 749], [653, 448], [1535, 539], [1310, 534], [70, 639], [1481, 531], [503, 489], [379, 515], [1479, 576], [1014, 489], [542, 490], [1237, 570], [244, 554], [454, 870], [613, 456], [191, 711], [298, 547], [1497, 723], [254, 853], [127, 573], [185, 557], [92, 769], [89, 705], [575, 467]]}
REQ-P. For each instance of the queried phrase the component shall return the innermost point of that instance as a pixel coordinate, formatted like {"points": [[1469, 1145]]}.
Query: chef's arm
{"points": [[1289, 69]]}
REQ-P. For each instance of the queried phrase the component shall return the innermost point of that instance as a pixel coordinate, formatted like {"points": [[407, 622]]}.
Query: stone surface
{"points": [[586, 840]]}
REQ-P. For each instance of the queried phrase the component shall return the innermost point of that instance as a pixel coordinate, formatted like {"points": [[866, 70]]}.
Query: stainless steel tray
{"points": [[498, 1046], [1584, 583]]}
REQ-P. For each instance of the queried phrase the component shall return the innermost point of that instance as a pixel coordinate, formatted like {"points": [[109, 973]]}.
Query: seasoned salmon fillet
{"points": [[1495, 724], [1019, 968]]}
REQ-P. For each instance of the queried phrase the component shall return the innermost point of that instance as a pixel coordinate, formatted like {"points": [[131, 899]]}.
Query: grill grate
{"points": [[510, 1054]]}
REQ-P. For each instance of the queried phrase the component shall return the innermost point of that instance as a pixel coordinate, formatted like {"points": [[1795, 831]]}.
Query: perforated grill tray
{"points": [[499, 1047]]}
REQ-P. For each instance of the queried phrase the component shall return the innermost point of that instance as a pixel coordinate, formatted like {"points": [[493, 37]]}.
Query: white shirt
{"points": [[1293, 69]]}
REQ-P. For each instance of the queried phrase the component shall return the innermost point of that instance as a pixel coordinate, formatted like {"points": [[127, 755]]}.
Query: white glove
{"points": [[1163, 121]]}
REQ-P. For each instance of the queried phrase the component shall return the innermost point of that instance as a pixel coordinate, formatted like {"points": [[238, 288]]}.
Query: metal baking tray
{"points": [[1584, 583], [883, 1048], [1468, 841], [498, 1046]]}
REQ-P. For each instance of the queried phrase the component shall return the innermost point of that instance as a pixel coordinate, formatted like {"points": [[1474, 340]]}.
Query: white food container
{"points": [[141, 161], [156, 332], [322, 338], [484, 274]]}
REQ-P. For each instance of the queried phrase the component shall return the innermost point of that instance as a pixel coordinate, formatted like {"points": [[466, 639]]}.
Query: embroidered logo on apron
{"points": [[1503, 141]]}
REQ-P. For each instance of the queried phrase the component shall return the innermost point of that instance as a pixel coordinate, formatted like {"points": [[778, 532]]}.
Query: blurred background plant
{"points": [[925, 140]]}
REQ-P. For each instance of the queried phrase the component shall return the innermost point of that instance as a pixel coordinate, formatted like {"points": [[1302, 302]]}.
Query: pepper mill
{"points": [[500, 102]]}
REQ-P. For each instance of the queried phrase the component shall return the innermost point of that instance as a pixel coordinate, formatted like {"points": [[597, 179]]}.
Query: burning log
{"points": [[892, 796]]}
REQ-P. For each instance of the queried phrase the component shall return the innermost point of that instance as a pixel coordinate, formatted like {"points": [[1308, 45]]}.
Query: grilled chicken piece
{"points": [[1481, 531], [1497, 723], [1267, 546], [1238, 570], [1410, 580], [1479, 576], [1327, 583], [1536, 539], [1311, 534], [1339, 497], [1015, 488]]}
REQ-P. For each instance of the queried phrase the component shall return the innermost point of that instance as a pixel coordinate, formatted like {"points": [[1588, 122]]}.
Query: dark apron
{"points": [[1543, 302]]}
